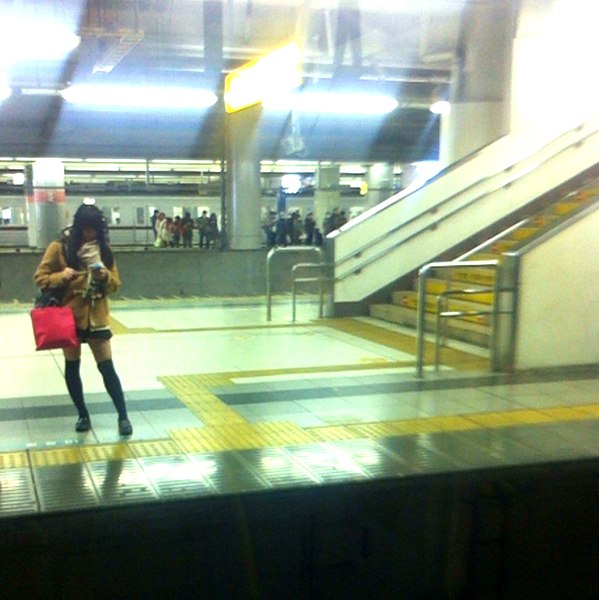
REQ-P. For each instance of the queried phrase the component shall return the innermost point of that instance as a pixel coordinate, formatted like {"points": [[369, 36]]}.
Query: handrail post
{"points": [[438, 332], [293, 296], [420, 325], [269, 257], [320, 291]]}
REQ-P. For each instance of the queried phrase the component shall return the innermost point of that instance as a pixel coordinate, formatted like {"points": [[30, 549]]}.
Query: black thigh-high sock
{"points": [[113, 386], [74, 385]]}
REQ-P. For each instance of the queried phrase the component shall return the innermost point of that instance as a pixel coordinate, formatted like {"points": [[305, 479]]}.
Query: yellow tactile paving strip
{"points": [[240, 435], [13, 460]]}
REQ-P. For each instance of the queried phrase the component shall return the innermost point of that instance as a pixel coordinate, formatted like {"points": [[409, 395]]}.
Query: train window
{"points": [[177, 211], [115, 215], [140, 215], [6, 215]]}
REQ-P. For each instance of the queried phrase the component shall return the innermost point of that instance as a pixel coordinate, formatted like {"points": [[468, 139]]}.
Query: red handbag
{"points": [[54, 327]]}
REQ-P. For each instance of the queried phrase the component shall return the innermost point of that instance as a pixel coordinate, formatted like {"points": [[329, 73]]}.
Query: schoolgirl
{"points": [[81, 268]]}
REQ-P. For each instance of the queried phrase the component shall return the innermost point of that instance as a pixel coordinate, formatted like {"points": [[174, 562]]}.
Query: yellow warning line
{"points": [[239, 435], [13, 460]]}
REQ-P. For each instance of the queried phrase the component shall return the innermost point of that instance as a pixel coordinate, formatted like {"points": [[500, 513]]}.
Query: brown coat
{"points": [[88, 314]]}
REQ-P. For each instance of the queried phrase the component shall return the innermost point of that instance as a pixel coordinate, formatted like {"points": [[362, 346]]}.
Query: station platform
{"points": [[292, 459]]}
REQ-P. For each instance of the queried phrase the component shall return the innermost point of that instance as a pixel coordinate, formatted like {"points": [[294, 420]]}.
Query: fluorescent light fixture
{"points": [[334, 103], [139, 97], [40, 92], [440, 108], [276, 73], [35, 39]]}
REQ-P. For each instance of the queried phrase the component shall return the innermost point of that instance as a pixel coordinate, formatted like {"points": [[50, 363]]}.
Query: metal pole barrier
{"points": [[438, 332], [320, 290], [422, 276], [268, 293], [293, 297], [269, 257]]}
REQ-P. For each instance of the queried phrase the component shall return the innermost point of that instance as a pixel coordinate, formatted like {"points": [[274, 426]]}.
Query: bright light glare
{"points": [[329, 102], [28, 39], [275, 73], [5, 92], [138, 97], [291, 183], [440, 108]]}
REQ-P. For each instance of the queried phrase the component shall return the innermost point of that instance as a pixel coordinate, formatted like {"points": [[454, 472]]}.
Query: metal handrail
{"points": [[423, 274], [444, 297], [269, 256], [434, 223], [320, 280]]}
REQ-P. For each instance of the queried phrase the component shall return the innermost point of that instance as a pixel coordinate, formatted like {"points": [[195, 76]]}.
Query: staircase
{"points": [[471, 319]]}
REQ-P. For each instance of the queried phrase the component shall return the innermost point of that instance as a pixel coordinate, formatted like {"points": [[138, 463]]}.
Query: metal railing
{"points": [[269, 257], [423, 275], [321, 280], [443, 315]]}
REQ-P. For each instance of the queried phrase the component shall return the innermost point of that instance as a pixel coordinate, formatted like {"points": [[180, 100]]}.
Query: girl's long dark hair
{"points": [[87, 215]]}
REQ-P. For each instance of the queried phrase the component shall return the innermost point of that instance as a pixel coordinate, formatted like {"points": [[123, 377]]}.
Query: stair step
{"points": [[473, 333], [478, 276], [503, 246], [544, 219], [485, 256], [438, 286], [563, 208], [523, 233], [409, 299]]}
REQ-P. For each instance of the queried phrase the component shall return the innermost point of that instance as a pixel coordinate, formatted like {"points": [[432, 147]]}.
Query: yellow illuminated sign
{"points": [[273, 74]]}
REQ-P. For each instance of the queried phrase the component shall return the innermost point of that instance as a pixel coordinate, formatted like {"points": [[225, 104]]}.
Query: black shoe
{"points": [[83, 424], [125, 427]]}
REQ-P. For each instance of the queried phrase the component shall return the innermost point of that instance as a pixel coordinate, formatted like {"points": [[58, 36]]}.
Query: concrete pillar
{"points": [[481, 81], [45, 200], [326, 193], [243, 191], [379, 179]]}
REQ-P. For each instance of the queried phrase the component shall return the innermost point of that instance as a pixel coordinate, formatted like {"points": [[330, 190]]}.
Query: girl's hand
{"points": [[100, 274], [69, 274]]}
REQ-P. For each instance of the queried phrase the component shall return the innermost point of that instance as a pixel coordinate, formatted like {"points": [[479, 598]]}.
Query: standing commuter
{"points": [[153, 220], [82, 268], [203, 229], [309, 225], [176, 229], [186, 230], [212, 231]]}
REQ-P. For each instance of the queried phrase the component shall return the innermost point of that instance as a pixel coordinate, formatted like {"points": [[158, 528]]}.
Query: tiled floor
{"points": [[210, 385]]}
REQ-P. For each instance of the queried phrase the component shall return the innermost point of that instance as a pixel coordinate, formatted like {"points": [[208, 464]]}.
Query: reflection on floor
{"points": [[222, 400]]}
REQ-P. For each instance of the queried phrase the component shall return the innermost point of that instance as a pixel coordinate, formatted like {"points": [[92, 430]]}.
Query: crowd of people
{"points": [[292, 230], [179, 231], [280, 229]]}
